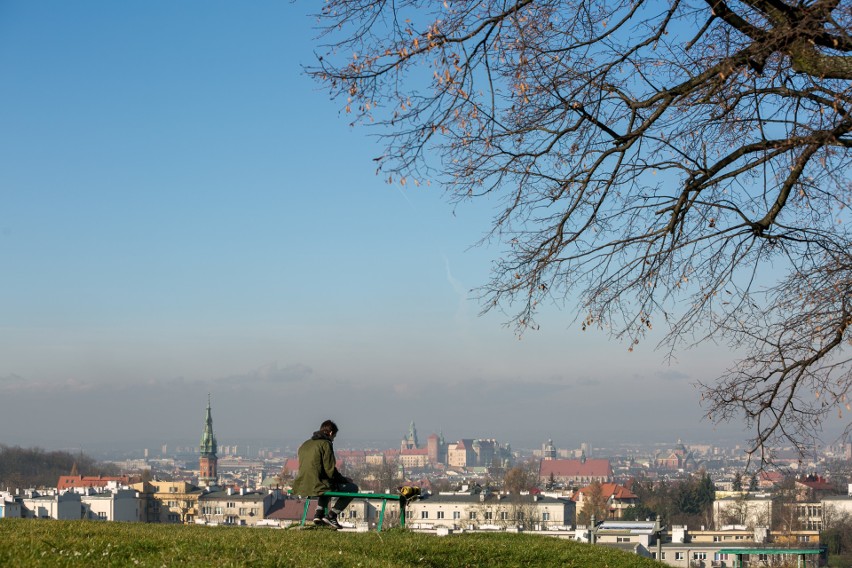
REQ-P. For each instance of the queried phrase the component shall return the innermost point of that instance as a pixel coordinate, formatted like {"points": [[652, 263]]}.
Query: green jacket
{"points": [[317, 467]]}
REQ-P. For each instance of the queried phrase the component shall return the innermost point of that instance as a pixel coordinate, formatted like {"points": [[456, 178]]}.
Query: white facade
{"points": [[9, 508], [63, 507], [492, 511], [124, 505], [747, 509]]}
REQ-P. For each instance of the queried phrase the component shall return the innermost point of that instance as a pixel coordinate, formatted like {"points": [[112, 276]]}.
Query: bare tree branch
{"points": [[682, 163]]}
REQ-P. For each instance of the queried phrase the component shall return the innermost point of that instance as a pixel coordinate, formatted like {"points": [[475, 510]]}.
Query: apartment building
{"points": [[122, 505], [51, 505], [729, 548], [169, 501], [749, 509], [494, 511], [618, 498], [234, 507], [9, 506]]}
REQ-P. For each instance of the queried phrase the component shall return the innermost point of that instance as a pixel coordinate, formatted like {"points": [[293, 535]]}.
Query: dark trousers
{"points": [[341, 502]]}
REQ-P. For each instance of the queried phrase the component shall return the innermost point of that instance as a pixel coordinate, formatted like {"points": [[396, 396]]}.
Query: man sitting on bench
{"points": [[318, 474]]}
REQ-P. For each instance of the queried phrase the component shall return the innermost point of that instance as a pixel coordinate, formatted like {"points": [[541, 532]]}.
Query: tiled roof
{"points": [[608, 490], [69, 481], [415, 452], [350, 454], [816, 482], [291, 465], [575, 468]]}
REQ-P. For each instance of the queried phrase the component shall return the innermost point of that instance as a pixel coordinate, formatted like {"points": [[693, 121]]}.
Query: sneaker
{"points": [[331, 520], [318, 518]]}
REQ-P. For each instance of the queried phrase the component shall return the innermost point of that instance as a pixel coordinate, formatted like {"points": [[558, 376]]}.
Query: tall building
{"points": [[207, 474], [548, 450]]}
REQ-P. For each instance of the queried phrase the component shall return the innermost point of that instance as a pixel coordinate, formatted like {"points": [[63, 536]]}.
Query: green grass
{"points": [[80, 543]]}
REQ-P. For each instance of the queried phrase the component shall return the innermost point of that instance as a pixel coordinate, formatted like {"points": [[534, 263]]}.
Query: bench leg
{"points": [[305, 512], [382, 516]]}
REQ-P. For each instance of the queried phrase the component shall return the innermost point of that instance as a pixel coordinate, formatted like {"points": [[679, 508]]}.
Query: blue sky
{"points": [[184, 212]]}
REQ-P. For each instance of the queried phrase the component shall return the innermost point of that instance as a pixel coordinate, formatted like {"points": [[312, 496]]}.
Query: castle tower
{"points": [[433, 449], [410, 440], [207, 462]]}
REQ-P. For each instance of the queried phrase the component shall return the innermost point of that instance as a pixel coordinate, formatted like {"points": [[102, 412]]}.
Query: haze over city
{"points": [[184, 212]]}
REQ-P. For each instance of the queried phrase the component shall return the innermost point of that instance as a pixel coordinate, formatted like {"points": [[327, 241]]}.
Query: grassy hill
{"points": [[82, 543]]}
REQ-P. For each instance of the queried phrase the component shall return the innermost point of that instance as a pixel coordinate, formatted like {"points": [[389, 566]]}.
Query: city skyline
{"points": [[185, 212]]}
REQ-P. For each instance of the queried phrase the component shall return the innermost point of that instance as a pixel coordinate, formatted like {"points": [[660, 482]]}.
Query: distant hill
{"points": [[23, 468]]}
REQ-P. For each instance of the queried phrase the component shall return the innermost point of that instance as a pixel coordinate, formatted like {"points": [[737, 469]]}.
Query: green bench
{"points": [[385, 497]]}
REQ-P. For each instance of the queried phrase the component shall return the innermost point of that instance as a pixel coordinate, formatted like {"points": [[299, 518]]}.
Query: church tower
{"points": [[207, 462], [410, 440]]}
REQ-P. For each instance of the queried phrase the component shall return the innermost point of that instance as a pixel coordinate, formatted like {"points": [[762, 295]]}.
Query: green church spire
{"points": [[208, 440]]}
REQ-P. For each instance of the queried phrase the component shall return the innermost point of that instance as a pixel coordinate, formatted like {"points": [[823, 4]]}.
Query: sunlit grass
{"points": [[81, 543]]}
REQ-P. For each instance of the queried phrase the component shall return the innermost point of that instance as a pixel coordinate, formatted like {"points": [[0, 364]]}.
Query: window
{"points": [[504, 515], [424, 514], [440, 514], [243, 511], [719, 556], [622, 539], [473, 515], [102, 516], [545, 516], [678, 555], [218, 510], [230, 505], [456, 514], [717, 538], [489, 515], [520, 515], [174, 518], [699, 556]]}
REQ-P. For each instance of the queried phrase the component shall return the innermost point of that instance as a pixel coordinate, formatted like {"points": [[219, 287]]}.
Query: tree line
{"points": [[35, 467], [681, 502]]}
